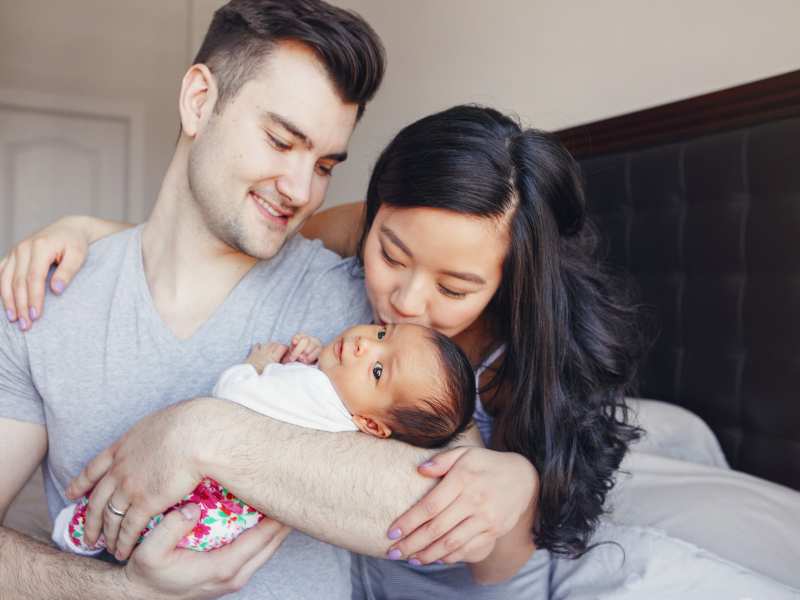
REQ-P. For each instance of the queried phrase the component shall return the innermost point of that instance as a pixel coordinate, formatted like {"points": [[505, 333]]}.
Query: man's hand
{"points": [[158, 569], [145, 472]]}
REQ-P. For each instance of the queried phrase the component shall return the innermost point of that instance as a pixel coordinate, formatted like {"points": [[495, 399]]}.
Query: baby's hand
{"points": [[304, 349], [262, 355]]}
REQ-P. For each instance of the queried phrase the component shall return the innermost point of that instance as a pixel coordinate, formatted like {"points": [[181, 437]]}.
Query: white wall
{"points": [[559, 63], [555, 62]]}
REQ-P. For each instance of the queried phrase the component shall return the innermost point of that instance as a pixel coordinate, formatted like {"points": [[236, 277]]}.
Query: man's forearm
{"points": [[32, 570], [343, 488]]}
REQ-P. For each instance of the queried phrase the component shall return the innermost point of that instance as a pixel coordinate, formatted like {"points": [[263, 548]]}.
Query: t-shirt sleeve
{"points": [[19, 398], [334, 301]]}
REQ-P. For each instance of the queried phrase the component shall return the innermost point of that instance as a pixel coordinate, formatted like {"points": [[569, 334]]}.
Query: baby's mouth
{"points": [[337, 349]]}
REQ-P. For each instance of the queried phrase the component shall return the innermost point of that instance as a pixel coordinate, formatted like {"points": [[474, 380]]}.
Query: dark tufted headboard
{"points": [[700, 201]]}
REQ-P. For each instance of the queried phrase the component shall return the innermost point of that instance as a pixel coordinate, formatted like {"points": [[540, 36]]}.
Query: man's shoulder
{"points": [[94, 284]]}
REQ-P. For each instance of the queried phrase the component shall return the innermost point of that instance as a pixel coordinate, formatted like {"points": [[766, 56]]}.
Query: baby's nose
{"points": [[360, 346]]}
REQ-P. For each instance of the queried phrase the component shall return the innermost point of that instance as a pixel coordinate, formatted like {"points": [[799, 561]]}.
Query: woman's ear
{"points": [[370, 426], [197, 99]]}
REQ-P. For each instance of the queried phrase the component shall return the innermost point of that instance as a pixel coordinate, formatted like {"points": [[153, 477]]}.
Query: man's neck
{"points": [[188, 270]]}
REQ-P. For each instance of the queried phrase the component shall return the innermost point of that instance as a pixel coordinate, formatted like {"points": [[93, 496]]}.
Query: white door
{"points": [[55, 162]]}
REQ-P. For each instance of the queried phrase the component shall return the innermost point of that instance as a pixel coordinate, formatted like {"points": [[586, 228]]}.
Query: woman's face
{"points": [[433, 267]]}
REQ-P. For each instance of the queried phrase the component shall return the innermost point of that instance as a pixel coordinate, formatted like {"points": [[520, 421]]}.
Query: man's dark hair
{"points": [[439, 418], [244, 32]]}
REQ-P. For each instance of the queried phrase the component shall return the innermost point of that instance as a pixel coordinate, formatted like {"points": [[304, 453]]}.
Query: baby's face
{"points": [[373, 367]]}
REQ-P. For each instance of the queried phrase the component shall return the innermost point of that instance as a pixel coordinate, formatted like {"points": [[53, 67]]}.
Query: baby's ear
{"points": [[370, 426]]}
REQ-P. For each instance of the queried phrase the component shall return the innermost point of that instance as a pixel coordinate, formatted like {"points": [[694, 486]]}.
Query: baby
{"points": [[401, 381]]}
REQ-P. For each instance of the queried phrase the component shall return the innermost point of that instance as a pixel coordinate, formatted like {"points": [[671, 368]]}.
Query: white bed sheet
{"points": [[677, 480]]}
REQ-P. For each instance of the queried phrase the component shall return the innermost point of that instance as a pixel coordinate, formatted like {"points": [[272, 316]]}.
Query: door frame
{"points": [[130, 114]]}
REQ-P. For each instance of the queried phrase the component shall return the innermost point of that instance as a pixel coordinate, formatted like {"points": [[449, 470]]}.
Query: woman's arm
{"points": [[24, 271], [338, 228]]}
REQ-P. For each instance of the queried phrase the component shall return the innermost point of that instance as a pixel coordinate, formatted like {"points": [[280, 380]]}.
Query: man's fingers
{"points": [[6, 293], [247, 545], [96, 508], [131, 527], [112, 521], [91, 474], [70, 264], [263, 555], [165, 537]]}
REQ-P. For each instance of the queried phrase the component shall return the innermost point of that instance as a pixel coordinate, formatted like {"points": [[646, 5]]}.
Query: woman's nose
{"points": [[408, 302]]}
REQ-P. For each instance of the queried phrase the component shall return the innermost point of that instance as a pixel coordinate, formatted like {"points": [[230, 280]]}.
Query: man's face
{"points": [[259, 169]]}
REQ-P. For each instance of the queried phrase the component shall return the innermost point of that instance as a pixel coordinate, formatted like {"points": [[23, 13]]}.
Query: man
{"points": [[161, 310]]}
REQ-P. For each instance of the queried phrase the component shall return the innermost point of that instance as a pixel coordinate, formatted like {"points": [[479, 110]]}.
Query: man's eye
{"points": [[381, 334], [279, 144], [377, 370]]}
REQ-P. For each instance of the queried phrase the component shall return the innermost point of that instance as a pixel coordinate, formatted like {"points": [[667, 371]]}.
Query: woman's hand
{"points": [[145, 472], [24, 271], [481, 497]]}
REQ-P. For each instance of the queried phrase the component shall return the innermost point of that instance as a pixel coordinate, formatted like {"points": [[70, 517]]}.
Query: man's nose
{"points": [[294, 186]]}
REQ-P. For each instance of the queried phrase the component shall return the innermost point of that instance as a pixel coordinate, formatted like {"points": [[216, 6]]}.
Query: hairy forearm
{"points": [[32, 570], [342, 488]]}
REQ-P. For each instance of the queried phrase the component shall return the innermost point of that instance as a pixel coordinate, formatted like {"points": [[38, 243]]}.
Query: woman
{"points": [[477, 228]]}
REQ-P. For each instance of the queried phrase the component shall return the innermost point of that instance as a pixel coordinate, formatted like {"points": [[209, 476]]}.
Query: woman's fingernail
{"points": [[426, 464], [10, 314], [395, 533], [58, 286], [34, 313], [394, 554], [415, 561], [23, 324]]}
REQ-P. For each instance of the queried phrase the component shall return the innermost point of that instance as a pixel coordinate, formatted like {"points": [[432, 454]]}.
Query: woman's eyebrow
{"points": [[396, 240], [466, 277]]}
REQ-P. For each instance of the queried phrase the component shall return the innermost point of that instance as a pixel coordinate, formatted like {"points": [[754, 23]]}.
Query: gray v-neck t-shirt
{"points": [[101, 358]]}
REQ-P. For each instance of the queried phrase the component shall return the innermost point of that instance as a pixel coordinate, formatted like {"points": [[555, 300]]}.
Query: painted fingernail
{"points": [[426, 464], [394, 554], [395, 533], [23, 324], [415, 561], [11, 316], [34, 313], [58, 286]]}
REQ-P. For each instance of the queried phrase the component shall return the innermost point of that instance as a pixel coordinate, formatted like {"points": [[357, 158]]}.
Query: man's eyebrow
{"points": [[396, 240], [298, 133], [466, 277]]}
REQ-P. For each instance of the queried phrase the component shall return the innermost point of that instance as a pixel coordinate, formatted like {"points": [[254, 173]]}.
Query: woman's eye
{"points": [[450, 293], [381, 334], [389, 259], [377, 370]]}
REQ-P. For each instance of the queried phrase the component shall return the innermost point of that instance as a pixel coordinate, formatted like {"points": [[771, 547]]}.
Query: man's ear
{"points": [[370, 426], [197, 99]]}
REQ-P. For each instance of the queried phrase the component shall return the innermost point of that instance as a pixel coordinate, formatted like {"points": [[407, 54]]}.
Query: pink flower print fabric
{"points": [[222, 518]]}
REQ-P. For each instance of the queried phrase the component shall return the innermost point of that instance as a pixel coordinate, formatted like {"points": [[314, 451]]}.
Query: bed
{"points": [[699, 200]]}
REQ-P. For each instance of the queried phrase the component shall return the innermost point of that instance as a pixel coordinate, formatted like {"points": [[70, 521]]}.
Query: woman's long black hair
{"points": [[571, 340]]}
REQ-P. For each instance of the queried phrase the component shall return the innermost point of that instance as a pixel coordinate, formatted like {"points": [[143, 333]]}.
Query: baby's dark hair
{"points": [[438, 418]]}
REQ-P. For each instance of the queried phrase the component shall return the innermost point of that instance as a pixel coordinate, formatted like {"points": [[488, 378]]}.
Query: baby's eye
{"points": [[381, 334], [377, 370]]}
